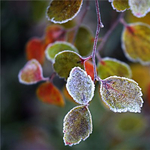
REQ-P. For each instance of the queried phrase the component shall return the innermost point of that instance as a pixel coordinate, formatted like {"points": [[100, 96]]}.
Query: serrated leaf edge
{"points": [[135, 13], [117, 9], [125, 110]]}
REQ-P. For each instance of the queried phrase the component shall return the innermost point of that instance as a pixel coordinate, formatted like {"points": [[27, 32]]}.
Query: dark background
{"points": [[29, 124]]}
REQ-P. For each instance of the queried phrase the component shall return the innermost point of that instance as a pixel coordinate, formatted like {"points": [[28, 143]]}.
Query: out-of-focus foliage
{"points": [[31, 73], [120, 5], [26, 122], [135, 43], [110, 67], [48, 93]]}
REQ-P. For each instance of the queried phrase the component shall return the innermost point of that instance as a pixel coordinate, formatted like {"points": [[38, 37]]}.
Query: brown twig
{"points": [[99, 25], [106, 36]]}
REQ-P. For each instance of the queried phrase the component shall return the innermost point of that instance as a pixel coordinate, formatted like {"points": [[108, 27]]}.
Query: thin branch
{"points": [[81, 20], [99, 25], [76, 28], [106, 36]]}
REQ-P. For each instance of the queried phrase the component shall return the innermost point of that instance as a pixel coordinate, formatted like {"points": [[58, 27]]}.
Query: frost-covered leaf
{"points": [[121, 94], [55, 48], [64, 10], [120, 5], [35, 50], [48, 93], [136, 42], [111, 67], [84, 41], [89, 68], [65, 61], [54, 33], [31, 73], [139, 8], [77, 125], [80, 86]]}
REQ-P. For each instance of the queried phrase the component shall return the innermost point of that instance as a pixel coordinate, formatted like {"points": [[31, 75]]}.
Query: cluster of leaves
{"points": [[139, 8], [72, 62]]}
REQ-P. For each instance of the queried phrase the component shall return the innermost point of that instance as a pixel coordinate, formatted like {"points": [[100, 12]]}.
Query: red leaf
{"points": [[89, 69], [35, 50], [48, 93]]}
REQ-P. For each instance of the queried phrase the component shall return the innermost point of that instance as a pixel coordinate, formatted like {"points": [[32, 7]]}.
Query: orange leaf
{"points": [[54, 33], [89, 69], [67, 95], [35, 50], [48, 93]]}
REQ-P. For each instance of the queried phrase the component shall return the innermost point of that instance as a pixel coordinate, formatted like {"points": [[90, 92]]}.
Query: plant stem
{"points": [[76, 28], [106, 36], [84, 13], [99, 25], [123, 22]]}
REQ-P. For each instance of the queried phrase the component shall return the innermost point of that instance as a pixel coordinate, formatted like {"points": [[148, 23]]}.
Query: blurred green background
{"points": [[29, 124]]}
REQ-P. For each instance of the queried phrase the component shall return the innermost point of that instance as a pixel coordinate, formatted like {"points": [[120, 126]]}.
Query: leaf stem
{"points": [[106, 36], [81, 19], [99, 25]]}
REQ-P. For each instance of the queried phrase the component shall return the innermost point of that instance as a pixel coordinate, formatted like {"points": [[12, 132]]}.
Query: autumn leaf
{"points": [[121, 94], [31, 73], [136, 42], [111, 67], [48, 93], [120, 5], [77, 125], [35, 50]]}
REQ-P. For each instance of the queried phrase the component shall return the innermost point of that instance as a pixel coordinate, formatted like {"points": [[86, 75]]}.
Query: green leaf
{"points": [[120, 5], [121, 94], [80, 86], [65, 61], [139, 8], [35, 7], [55, 48], [31, 73], [63, 11], [136, 43], [111, 67], [77, 125], [84, 41]]}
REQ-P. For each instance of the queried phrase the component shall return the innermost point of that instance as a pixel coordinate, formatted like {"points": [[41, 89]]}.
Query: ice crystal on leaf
{"points": [[77, 125], [121, 94], [80, 86]]}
